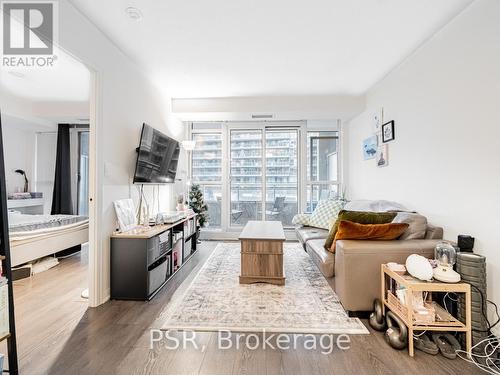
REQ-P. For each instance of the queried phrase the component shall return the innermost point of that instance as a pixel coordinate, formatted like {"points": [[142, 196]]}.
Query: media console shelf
{"points": [[144, 260]]}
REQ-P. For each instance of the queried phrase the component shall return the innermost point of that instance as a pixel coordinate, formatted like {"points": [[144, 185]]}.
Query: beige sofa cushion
{"points": [[305, 234], [324, 259], [357, 267]]}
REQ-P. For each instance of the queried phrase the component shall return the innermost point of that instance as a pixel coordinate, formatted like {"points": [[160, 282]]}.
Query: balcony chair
{"points": [[277, 210]]}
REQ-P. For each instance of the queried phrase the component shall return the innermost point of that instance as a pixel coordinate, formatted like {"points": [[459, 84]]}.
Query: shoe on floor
{"points": [[425, 344], [447, 344]]}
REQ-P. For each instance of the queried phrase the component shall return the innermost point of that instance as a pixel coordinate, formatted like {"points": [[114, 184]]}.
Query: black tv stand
{"points": [[145, 259]]}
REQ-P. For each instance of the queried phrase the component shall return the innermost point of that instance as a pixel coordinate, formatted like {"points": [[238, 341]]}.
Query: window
{"points": [[263, 170], [206, 170], [322, 167], [83, 174], [281, 175]]}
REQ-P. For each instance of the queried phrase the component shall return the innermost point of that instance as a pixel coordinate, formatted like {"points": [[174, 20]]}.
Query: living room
{"points": [[314, 195]]}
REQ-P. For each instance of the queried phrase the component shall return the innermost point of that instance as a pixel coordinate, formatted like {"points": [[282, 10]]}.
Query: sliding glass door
{"points": [[263, 175]]}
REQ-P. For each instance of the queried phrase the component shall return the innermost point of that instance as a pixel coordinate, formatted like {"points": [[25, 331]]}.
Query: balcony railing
{"points": [[242, 212]]}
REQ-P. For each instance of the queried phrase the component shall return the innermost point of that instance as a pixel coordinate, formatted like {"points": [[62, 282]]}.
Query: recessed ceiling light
{"points": [[134, 13], [16, 74]]}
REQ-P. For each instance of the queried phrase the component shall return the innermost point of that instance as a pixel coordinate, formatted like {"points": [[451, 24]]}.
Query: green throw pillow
{"points": [[360, 217]]}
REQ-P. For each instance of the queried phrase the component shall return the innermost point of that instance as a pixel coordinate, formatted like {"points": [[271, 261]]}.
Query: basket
{"points": [[428, 315]]}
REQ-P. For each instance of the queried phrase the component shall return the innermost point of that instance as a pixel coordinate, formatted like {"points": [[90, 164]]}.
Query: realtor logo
{"points": [[29, 31]]}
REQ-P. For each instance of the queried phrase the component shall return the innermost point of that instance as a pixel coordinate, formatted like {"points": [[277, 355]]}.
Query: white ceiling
{"points": [[29, 124], [275, 47], [67, 80]]}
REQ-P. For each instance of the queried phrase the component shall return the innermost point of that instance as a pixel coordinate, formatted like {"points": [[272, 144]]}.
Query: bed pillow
{"points": [[361, 217], [349, 230], [325, 211], [417, 228]]}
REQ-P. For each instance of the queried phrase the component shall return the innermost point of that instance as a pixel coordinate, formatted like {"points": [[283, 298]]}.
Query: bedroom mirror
{"points": [[46, 138]]}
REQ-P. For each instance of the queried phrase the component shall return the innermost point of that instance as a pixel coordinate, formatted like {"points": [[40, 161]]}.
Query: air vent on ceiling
{"points": [[262, 116]]}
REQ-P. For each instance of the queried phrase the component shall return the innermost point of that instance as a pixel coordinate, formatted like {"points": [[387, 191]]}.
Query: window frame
{"points": [[308, 182], [303, 181]]}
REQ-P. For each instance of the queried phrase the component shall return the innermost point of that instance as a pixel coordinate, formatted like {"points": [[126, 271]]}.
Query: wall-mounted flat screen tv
{"points": [[157, 157]]}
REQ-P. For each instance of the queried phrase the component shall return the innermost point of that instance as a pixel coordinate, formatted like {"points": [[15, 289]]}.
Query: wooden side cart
{"points": [[446, 321]]}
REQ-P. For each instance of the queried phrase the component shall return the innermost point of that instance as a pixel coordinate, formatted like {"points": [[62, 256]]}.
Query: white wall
{"points": [[126, 99], [445, 160], [283, 108], [19, 146]]}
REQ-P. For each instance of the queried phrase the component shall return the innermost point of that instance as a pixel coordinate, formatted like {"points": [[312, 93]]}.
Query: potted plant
{"points": [[198, 205]]}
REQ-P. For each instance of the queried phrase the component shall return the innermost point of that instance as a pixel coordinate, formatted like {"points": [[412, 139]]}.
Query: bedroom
{"points": [[46, 148]]}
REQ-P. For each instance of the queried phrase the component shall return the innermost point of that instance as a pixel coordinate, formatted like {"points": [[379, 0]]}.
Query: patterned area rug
{"points": [[216, 301]]}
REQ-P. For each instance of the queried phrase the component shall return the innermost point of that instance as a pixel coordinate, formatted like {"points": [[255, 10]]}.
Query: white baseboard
{"points": [[106, 297]]}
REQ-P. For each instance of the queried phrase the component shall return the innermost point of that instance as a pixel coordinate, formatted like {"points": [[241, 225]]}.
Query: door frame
{"points": [[96, 262], [297, 126], [97, 293]]}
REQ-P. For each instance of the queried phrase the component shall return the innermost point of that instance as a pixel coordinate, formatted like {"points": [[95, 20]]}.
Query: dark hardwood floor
{"points": [[58, 334]]}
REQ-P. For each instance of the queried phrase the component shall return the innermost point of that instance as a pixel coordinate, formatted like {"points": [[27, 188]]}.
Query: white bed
{"points": [[35, 236]]}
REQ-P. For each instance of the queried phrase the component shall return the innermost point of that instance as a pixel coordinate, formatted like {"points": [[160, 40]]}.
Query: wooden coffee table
{"points": [[262, 253]]}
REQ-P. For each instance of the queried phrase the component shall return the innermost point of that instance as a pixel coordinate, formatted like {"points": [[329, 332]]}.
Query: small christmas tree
{"points": [[198, 205]]}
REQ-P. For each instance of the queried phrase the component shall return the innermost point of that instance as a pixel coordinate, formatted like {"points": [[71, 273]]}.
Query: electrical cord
{"points": [[496, 312], [491, 347], [444, 300], [420, 334], [489, 360], [483, 312]]}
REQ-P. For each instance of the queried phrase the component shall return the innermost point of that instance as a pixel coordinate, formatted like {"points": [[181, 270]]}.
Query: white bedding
{"points": [[22, 227]]}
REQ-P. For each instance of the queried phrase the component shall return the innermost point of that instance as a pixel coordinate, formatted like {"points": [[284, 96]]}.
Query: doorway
{"points": [[263, 174], [30, 143]]}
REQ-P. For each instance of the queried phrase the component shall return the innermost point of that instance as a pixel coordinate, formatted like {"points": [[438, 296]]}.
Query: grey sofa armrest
{"points": [[357, 267]]}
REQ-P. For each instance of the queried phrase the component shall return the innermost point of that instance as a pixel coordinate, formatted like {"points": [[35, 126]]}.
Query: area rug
{"points": [[216, 301]]}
